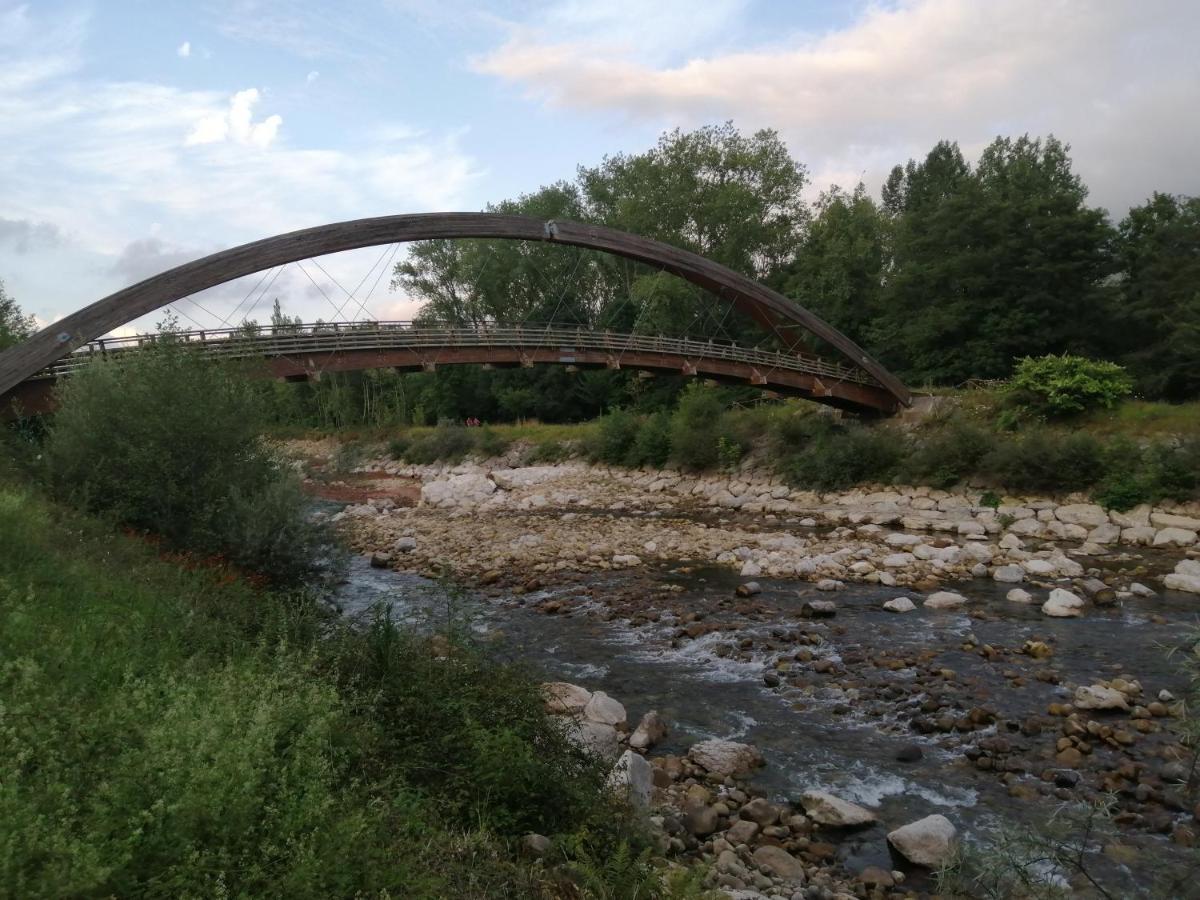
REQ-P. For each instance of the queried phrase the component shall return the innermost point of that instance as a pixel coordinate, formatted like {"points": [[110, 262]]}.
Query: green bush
{"points": [[1060, 386], [836, 457], [167, 442], [170, 733], [446, 443], [546, 451], [489, 444], [615, 437], [729, 451], [652, 447], [696, 428], [946, 455], [1046, 461], [397, 447]]}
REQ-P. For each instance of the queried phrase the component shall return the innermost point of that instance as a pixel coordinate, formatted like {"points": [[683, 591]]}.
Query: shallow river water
{"points": [[823, 736]]}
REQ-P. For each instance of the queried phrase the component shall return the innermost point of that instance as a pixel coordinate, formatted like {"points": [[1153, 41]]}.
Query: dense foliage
{"points": [[169, 443], [957, 271], [14, 324], [176, 733], [1060, 386]]}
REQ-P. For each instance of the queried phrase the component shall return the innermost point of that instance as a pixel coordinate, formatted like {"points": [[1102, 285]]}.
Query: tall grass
{"points": [[169, 731]]}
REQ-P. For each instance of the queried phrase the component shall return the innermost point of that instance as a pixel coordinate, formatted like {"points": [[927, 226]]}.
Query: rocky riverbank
{"points": [[495, 523], [703, 809], [1026, 662]]}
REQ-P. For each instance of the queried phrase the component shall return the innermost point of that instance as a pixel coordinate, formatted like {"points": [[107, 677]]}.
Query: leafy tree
{"points": [[731, 197], [15, 326], [281, 322], [1159, 255], [989, 264], [838, 270], [169, 442]]}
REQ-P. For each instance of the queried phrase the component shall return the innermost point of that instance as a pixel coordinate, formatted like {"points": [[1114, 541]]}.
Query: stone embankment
{"points": [[491, 522], [703, 810]]}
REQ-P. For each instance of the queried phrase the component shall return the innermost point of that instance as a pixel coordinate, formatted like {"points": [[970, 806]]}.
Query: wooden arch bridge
{"points": [[853, 380]]}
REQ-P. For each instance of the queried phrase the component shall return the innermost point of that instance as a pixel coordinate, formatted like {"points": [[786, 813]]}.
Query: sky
{"points": [[138, 134]]}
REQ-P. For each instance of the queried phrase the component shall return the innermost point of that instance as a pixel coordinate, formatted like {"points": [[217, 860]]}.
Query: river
{"points": [[842, 730]]}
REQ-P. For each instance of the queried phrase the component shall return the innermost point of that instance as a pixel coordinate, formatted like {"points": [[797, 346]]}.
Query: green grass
{"points": [[170, 730]]}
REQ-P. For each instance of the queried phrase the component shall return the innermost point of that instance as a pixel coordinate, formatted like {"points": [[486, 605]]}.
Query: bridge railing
{"points": [[265, 341]]}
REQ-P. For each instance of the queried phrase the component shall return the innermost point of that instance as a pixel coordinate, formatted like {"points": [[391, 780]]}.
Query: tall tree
{"points": [[731, 197], [15, 326], [990, 264], [1159, 256], [838, 269]]}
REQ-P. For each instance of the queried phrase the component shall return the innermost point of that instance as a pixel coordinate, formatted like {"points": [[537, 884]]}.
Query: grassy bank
{"points": [[1135, 452], [170, 730]]}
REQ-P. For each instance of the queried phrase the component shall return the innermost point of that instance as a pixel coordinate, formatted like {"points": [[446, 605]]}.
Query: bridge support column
{"points": [[689, 368], [428, 366]]}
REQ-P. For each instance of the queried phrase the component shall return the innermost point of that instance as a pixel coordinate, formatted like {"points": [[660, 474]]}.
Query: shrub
{"points": [[397, 447], [836, 457], [167, 442], [946, 455], [1173, 472], [696, 426], [450, 443], [652, 447], [1045, 461], [1058, 386], [729, 451], [489, 444], [547, 451], [616, 435]]}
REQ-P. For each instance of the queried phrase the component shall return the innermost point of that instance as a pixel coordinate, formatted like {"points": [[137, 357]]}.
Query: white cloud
{"points": [[104, 160], [312, 76], [185, 49], [236, 124], [1112, 79]]}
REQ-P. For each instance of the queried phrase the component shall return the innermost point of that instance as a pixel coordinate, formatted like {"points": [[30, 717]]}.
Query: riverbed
{"points": [[967, 711]]}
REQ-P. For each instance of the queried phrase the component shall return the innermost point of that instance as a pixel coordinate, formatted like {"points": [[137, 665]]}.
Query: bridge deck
{"points": [[308, 350]]}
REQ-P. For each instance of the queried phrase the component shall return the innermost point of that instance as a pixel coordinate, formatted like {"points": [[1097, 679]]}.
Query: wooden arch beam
{"points": [[765, 305]]}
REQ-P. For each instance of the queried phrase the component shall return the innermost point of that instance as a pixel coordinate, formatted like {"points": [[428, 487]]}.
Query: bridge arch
{"points": [[771, 309]]}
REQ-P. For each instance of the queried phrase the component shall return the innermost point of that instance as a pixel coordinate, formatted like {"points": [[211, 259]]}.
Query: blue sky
{"points": [[136, 135]]}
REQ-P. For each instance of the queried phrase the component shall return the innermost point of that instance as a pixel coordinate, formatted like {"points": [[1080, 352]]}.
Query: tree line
{"points": [[954, 272]]}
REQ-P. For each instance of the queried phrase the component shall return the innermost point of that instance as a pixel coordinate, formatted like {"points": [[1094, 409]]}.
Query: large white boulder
{"points": [[564, 698], [458, 491], [1174, 537], [605, 710], [595, 738], [1186, 577], [1173, 520], [929, 842], [632, 779], [899, 605], [650, 730], [945, 600], [1082, 514], [1008, 574], [725, 757], [1062, 604], [826, 809]]}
